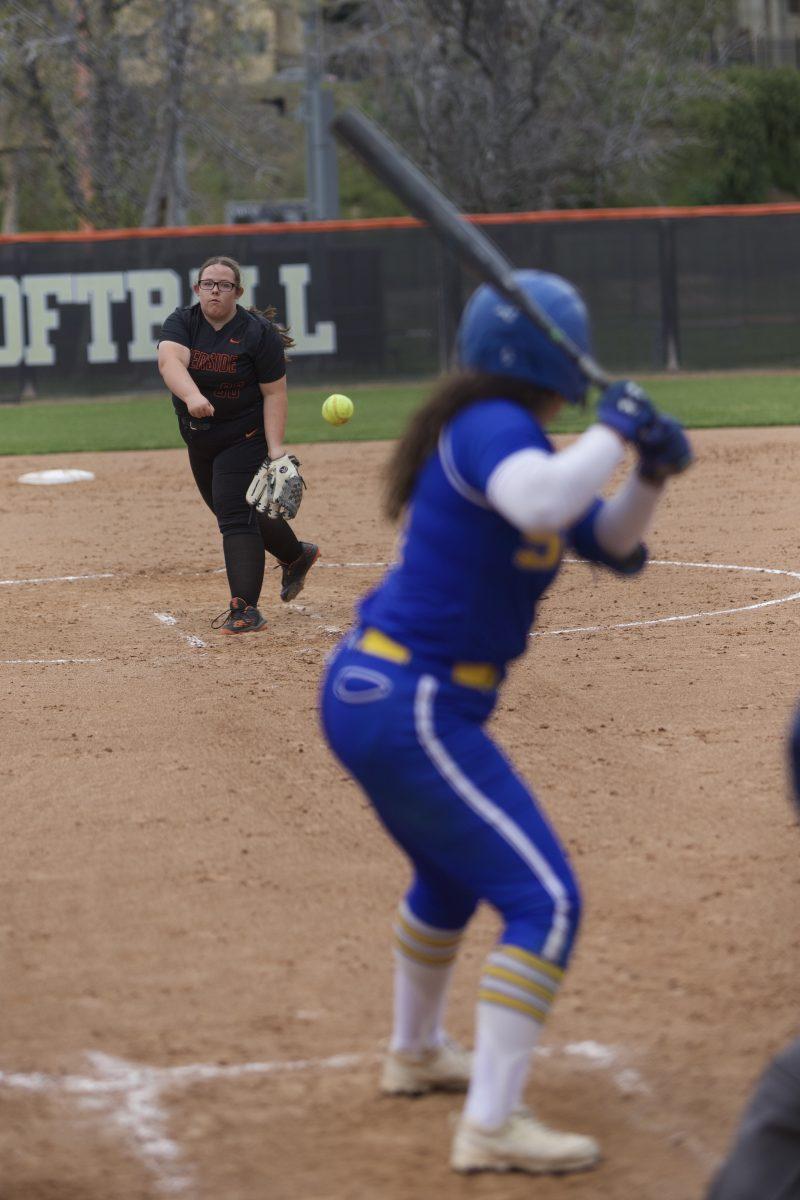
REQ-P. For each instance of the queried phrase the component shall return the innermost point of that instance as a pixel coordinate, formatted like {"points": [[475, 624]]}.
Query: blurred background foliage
{"points": [[118, 113]]}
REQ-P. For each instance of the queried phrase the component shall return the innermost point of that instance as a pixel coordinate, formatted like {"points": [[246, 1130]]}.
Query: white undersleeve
{"points": [[624, 518], [540, 492]]}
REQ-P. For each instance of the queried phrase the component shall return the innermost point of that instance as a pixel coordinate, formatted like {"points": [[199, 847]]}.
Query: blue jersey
{"points": [[468, 582]]}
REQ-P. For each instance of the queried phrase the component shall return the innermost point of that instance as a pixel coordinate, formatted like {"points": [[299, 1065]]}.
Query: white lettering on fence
{"points": [[151, 295], [42, 318], [12, 347], [154, 295], [100, 291], [295, 280]]}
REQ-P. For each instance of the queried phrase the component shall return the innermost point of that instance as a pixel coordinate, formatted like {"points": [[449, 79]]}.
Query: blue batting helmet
{"points": [[494, 336]]}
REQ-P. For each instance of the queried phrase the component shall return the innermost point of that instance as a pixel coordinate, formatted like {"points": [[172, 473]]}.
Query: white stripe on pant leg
{"points": [[508, 830]]}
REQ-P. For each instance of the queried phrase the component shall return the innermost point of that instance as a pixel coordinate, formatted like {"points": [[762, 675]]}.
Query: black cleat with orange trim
{"points": [[294, 574], [239, 618]]}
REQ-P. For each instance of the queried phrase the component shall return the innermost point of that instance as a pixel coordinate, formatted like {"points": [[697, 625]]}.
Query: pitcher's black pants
{"points": [[224, 457]]}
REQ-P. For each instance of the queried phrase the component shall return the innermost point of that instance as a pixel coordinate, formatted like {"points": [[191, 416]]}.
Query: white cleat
{"points": [[521, 1144], [444, 1069]]}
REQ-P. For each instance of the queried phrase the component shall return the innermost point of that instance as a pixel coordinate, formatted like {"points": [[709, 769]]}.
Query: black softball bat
{"points": [[465, 241]]}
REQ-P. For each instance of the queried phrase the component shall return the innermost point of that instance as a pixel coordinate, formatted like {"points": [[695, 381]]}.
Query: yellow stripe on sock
{"points": [[533, 961], [448, 940], [488, 997], [519, 981], [430, 960]]}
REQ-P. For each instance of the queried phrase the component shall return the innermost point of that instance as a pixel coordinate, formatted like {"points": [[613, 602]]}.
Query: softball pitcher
{"points": [[491, 507], [226, 369]]}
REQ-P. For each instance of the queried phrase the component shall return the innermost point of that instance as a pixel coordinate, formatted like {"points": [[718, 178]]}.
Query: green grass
{"points": [[147, 422], [715, 401]]}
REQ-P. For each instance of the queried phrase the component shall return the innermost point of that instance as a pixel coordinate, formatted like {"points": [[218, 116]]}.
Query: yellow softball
{"points": [[337, 409]]}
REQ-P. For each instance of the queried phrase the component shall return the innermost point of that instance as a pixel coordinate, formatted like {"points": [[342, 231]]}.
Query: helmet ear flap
{"points": [[497, 338]]}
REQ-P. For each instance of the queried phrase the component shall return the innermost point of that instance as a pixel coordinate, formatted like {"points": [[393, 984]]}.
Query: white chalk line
{"points": [[539, 633], [166, 618], [15, 662], [56, 579], [631, 1083], [127, 574], [643, 623], [191, 639], [131, 1096], [360, 565], [694, 616], [317, 565], [305, 611]]}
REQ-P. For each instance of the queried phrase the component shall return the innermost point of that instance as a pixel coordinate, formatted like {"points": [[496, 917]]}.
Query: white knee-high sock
{"points": [[424, 958], [517, 989], [420, 993]]}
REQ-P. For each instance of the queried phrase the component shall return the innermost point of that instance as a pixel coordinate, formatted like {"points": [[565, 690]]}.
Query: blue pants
{"points": [[415, 742]]}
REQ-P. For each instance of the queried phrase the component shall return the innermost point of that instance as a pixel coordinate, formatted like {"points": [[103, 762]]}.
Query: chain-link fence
{"points": [[668, 289]]}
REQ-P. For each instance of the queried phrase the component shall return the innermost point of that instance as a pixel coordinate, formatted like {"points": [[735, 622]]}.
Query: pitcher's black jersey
{"points": [[227, 364]]}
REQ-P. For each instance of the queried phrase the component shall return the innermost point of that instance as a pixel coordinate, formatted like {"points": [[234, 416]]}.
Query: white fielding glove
{"points": [[286, 485], [277, 488], [259, 493]]}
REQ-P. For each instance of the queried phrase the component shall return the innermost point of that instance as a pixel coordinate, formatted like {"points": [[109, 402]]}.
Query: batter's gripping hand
{"points": [[664, 450], [628, 410], [286, 487]]}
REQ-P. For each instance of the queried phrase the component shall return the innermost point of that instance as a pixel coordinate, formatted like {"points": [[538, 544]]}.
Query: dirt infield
{"points": [[196, 901]]}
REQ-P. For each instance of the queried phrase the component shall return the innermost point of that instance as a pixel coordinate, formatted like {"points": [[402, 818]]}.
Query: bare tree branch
{"points": [[530, 103], [117, 90]]}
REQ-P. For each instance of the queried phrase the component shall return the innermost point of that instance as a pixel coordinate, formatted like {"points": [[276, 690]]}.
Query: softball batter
{"points": [[226, 369], [491, 506]]}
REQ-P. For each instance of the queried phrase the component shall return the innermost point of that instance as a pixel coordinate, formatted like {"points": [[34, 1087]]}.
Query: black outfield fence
{"points": [[668, 288]]}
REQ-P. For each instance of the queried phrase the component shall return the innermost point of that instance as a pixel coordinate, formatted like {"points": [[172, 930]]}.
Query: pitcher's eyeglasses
{"points": [[208, 285]]}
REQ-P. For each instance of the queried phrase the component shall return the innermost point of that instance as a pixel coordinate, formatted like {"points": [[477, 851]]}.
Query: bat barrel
{"points": [[403, 177], [464, 240]]}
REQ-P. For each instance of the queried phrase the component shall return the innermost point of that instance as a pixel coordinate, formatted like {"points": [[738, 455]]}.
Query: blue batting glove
{"points": [[626, 409], [664, 450]]}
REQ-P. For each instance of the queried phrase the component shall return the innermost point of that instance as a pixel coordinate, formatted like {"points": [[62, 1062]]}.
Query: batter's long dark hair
{"points": [[269, 312], [454, 392]]}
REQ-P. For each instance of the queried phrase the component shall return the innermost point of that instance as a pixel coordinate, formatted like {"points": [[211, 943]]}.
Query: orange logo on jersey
{"points": [[236, 341], [223, 364], [252, 433]]}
